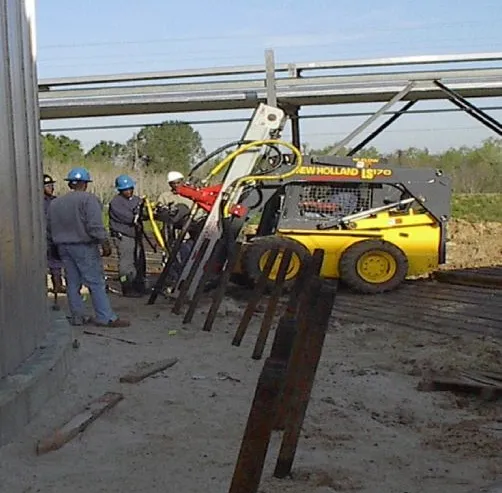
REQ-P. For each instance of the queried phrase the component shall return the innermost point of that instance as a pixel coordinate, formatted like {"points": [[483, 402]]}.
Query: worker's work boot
{"points": [[117, 323], [57, 284], [128, 290], [77, 320], [139, 286]]}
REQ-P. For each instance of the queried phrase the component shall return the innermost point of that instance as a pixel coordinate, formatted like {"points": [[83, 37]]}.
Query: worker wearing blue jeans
{"points": [[84, 266], [75, 226]]}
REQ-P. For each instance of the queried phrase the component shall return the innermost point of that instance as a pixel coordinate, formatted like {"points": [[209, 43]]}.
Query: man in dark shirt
{"points": [[125, 218], [75, 226], [54, 263]]}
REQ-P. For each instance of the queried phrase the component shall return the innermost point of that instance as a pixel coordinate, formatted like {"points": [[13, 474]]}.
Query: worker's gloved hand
{"points": [[163, 213], [106, 248]]}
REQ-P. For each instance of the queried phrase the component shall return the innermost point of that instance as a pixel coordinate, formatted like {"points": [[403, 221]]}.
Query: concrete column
{"points": [[30, 353], [24, 317]]}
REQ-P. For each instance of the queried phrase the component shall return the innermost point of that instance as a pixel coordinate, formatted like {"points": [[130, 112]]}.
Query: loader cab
{"points": [[304, 205]]}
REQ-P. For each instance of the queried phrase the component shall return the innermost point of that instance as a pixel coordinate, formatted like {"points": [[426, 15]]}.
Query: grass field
{"points": [[478, 207]]}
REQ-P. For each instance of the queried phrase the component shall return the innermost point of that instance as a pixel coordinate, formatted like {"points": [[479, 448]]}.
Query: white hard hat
{"points": [[174, 176]]}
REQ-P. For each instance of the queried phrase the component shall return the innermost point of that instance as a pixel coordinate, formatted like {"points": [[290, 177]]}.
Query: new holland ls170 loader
{"points": [[377, 225]]}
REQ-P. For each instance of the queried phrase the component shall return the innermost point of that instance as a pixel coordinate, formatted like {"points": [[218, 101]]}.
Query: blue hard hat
{"points": [[78, 174], [124, 182]]}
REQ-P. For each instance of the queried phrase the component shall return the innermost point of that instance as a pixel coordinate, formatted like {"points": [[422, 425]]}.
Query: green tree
{"points": [[61, 148], [172, 145], [105, 150]]}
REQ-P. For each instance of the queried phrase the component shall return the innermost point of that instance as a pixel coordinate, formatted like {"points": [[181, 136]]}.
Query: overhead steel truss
{"points": [[290, 86]]}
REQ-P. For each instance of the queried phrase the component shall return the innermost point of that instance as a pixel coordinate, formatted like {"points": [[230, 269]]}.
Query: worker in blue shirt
{"points": [[125, 214], [75, 226]]}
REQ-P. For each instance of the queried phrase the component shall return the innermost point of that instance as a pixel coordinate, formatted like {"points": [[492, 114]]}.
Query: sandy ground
{"points": [[367, 428], [473, 244]]}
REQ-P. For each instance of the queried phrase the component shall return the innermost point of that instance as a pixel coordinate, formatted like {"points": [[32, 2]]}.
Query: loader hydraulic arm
{"points": [[205, 198]]}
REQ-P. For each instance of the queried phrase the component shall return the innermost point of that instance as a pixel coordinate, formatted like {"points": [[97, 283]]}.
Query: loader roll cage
{"points": [[332, 191]]}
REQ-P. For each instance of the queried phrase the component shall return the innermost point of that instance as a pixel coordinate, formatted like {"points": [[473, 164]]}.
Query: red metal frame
{"points": [[206, 197]]}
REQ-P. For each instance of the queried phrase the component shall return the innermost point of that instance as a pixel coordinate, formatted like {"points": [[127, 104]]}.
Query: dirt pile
{"points": [[473, 244]]}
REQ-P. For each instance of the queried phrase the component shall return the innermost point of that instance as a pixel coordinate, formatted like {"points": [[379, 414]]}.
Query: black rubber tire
{"points": [[348, 267], [260, 246]]}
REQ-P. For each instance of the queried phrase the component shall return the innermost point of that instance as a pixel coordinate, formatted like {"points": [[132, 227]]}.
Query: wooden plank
{"points": [[452, 384], [147, 370], [494, 375], [107, 336], [450, 292], [475, 376], [421, 314], [360, 315], [78, 423], [467, 278], [416, 318]]}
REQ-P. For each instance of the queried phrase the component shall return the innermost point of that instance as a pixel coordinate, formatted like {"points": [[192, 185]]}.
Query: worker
{"points": [[179, 206], [176, 206], [169, 197], [125, 220], [54, 263], [75, 226], [173, 210]]}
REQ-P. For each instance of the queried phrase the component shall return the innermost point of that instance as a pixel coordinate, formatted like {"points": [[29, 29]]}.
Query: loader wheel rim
{"points": [[376, 267], [293, 267]]}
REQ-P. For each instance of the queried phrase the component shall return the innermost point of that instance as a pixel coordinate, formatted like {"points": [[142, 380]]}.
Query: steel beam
{"points": [[257, 69], [182, 93], [210, 87], [213, 121], [270, 78], [361, 128], [471, 109], [381, 128], [68, 107]]}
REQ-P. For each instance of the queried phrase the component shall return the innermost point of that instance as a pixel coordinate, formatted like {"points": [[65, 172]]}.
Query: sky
{"points": [[116, 36]]}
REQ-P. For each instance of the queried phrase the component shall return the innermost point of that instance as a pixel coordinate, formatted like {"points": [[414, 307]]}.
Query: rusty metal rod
{"points": [[305, 359], [258, 291], [222, 286], [171, 261], [268, 317], [259, 428], [256, 439], [199, 291], [186, 283], [304, 299]]}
